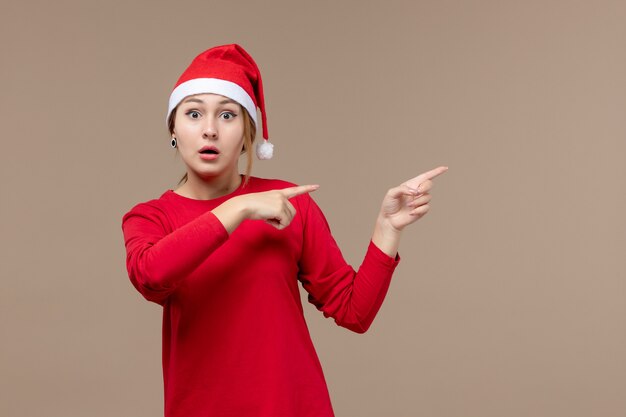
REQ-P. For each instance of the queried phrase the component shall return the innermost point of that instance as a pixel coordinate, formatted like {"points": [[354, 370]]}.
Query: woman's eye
{"points": [[228, 115], [193, 114]]}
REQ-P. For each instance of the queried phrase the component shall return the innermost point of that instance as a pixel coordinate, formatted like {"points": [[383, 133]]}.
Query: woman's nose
{"points": [[210, 130]]}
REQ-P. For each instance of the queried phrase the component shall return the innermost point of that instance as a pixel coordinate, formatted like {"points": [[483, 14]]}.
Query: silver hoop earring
{"points": [[173, 142]]}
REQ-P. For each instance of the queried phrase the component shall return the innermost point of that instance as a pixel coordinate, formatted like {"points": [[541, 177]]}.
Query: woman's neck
{"points": [[209, 189]]}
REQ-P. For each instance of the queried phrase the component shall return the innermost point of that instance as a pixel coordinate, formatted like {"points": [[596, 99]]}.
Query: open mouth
{"points": [[209, 151]]}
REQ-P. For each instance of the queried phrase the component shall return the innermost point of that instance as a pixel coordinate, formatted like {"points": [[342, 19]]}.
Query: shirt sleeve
{"points": [[158, 261], [334, 287]]}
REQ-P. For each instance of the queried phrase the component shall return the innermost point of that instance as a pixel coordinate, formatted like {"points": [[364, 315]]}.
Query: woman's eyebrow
{"points": [[197, 100]]}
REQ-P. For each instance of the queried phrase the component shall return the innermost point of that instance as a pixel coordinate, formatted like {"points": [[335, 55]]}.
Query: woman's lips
{"points": [[209, 156], [209, 153]]}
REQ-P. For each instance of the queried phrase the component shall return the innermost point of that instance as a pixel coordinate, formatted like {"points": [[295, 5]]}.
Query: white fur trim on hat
{"points": [[212, 85]]}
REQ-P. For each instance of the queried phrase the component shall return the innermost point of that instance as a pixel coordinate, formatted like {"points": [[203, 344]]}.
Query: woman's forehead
{"points": [[207, 97]]}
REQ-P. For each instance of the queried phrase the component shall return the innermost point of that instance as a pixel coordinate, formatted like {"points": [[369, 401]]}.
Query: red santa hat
{"points": [[230, 71]]}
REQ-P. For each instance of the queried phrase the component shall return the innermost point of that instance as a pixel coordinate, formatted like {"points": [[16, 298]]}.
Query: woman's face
{"points": [[209, 133]]}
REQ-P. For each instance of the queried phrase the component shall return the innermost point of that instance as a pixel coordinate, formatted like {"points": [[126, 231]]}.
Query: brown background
{"points": [[510, 298]]}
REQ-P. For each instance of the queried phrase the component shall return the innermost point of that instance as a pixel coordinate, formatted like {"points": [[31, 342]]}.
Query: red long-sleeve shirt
{"points": [[235, 340]]}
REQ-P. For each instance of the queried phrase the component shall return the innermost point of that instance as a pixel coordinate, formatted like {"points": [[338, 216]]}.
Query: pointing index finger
{"points": [[300, 189], [429, 175]]}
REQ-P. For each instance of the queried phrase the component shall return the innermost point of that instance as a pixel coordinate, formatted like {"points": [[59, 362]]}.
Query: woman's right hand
{"points": [[271, 206]]}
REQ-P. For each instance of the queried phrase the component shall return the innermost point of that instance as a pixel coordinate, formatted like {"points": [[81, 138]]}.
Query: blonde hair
{"points": [[249, 134]]}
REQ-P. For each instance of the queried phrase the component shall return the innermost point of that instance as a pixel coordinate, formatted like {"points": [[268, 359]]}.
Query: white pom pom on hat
{"points": [[264, 150], [230, 71]]}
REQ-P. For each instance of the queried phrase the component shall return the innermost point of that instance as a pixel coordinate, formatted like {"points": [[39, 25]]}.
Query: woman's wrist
{"points": [[231, 213], [385, 236]]}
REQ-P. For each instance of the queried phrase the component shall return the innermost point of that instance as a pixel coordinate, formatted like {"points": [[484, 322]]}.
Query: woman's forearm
{"points": [[272, 206]]}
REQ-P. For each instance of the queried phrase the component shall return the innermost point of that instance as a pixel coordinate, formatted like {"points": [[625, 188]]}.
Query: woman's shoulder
{"points": [[152, 207], [301, 201], [271, 183]]}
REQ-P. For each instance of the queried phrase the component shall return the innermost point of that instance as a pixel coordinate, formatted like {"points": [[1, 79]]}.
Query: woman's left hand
{"points": [[406, 203]]}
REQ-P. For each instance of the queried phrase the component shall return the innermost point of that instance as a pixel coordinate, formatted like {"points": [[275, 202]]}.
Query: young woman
{"points": [[224, 252]]}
